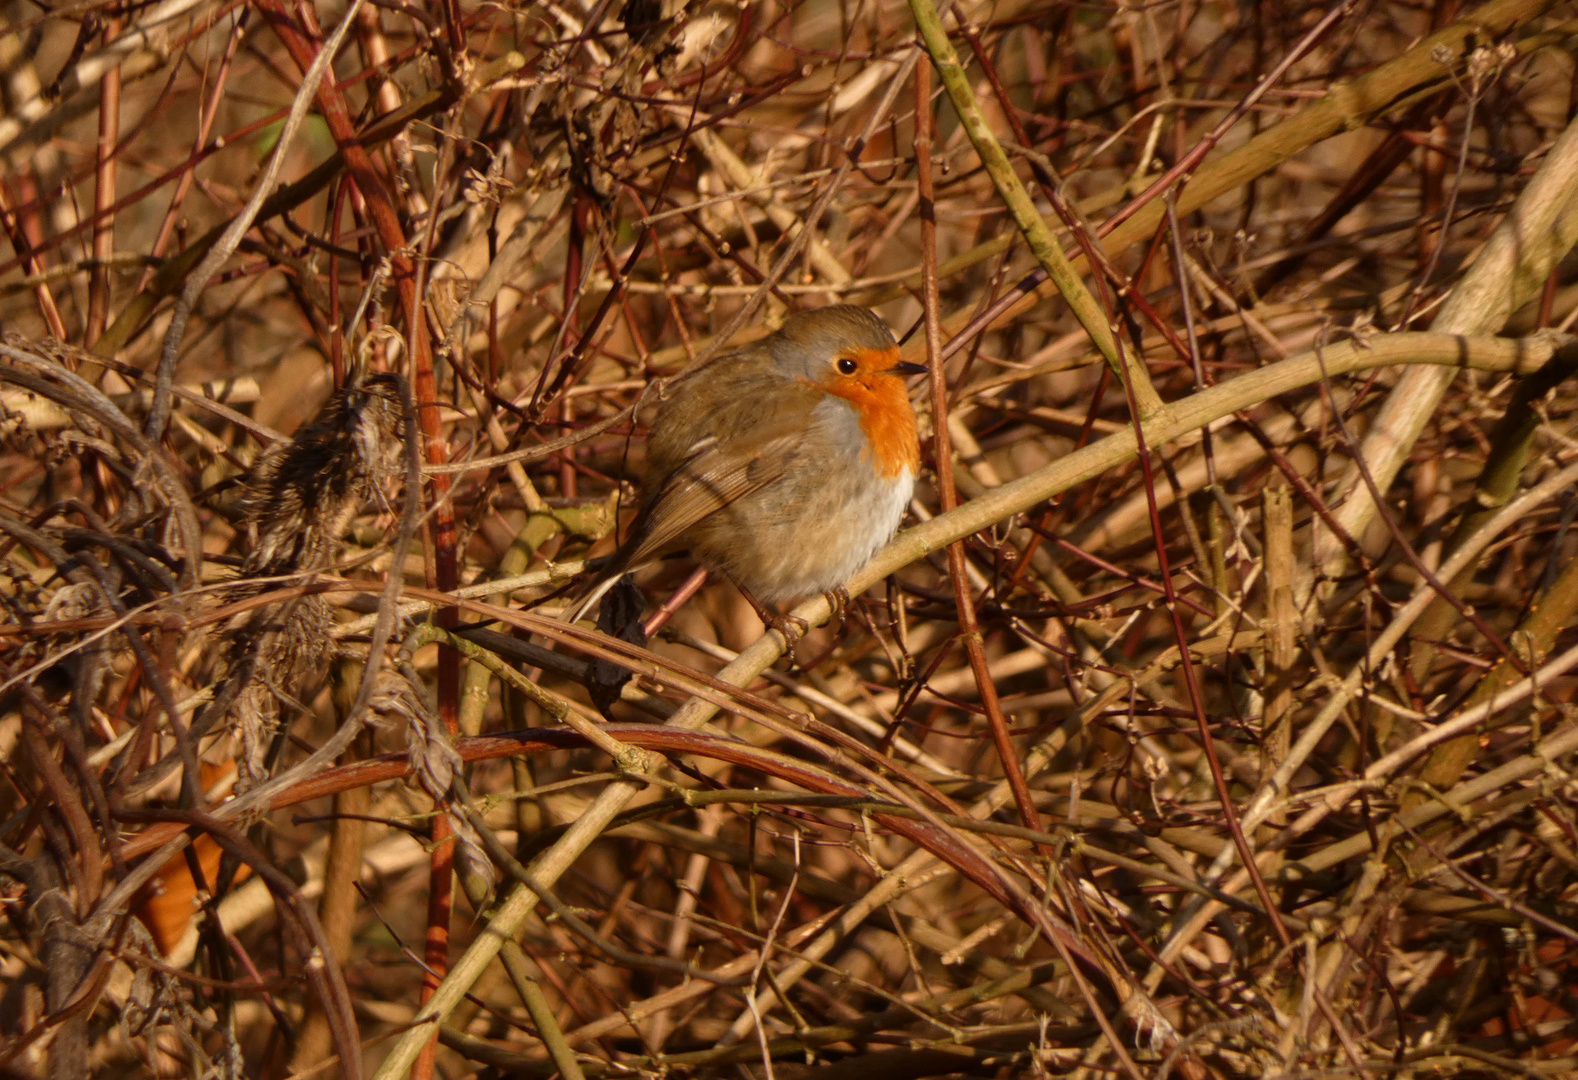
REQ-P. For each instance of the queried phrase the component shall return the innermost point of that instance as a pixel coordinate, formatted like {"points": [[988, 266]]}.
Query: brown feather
{"points": [[783, 465]]}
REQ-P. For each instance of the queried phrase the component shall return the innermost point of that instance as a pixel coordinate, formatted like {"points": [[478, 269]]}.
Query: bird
{"points": [[784, 465]]}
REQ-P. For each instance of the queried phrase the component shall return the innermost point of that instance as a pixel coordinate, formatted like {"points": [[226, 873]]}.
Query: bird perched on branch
{"points": [[785, 465]]}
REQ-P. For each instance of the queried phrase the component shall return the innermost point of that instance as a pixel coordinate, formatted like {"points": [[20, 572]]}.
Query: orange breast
{"points": [[887, 418]]}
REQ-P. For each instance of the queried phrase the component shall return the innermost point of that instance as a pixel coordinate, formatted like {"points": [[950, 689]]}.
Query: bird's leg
{"points": [[838, 603], [781, 623]]}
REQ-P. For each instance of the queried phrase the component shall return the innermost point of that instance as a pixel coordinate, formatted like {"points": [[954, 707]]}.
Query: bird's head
{"points": [[844, 349], [849, 353]]}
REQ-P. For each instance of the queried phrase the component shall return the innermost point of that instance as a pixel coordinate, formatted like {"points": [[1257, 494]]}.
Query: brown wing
{"points": [[715, 476], [725, 430], [715, 442]]}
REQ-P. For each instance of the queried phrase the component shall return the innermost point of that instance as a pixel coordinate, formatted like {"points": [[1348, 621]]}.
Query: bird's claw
{"points": [[772, 620], [784, 623], [838, 604]]}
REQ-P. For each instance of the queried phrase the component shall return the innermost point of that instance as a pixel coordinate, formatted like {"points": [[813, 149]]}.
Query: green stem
{"points": [[1030, 222]]}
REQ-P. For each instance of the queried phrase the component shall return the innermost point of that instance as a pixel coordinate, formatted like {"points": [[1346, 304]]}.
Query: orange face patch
{"points": [[883, 405]]}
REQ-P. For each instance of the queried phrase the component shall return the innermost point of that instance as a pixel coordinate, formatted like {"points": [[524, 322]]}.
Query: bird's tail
{"points": [[627, 557], [598, 589]]}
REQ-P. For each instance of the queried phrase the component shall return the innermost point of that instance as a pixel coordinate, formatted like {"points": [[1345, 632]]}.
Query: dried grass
{"points": [[1167, 741]]}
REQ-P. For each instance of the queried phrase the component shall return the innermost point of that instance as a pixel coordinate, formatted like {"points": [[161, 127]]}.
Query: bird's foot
{"points": [[786, 623], [791, 628], [838, 605]]}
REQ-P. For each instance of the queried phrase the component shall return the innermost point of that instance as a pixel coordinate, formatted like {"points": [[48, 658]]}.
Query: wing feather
{"points": [[726, 431], [709, 480]]}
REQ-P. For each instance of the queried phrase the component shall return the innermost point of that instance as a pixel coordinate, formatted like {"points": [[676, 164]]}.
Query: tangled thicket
{"points": [[1212, 718]]}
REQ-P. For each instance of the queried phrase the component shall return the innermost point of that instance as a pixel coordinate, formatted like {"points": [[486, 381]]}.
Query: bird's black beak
{"points": [[904, 367]]}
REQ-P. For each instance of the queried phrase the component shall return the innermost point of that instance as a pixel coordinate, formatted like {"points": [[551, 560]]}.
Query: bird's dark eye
{"points": [[846, 366]]}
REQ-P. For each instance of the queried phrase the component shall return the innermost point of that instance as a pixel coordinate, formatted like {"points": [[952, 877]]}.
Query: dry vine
{"points": [[1213, 717]]}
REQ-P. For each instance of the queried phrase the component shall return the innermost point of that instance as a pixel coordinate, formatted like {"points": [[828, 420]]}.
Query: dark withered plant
{"points": [[298, 502]]}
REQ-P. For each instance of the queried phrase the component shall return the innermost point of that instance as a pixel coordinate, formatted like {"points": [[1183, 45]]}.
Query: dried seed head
{"points": [[485, 189], [304, 493], [300, 499], [435, 763]]}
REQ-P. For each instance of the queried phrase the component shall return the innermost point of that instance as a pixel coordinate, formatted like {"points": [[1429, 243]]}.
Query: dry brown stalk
{"points": [[1153, 745]]}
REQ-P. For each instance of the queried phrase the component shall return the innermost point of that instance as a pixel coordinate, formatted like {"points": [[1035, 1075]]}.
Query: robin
{"points": [[785, 465]]}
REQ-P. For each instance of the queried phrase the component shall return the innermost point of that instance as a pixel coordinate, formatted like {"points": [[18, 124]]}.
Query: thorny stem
{"points": [[1181, 170], [942, 457], [1029, 220], [104, 192], [918, 892]]}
